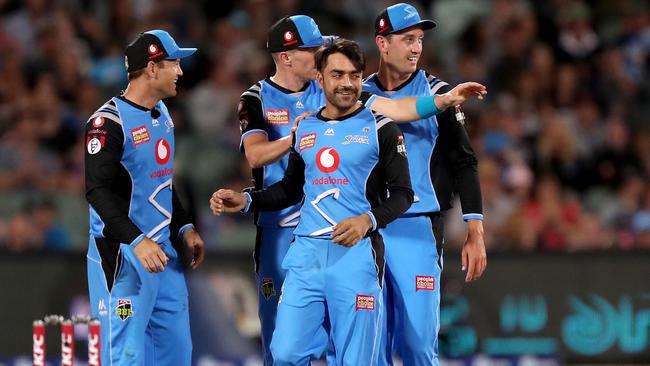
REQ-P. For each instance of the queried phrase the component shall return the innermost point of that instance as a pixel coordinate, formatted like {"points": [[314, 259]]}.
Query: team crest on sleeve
{"points": [[243, 116], [267, 288], [425, 283], [401, 147], [124, 309], [307, 141], [365, 302]]}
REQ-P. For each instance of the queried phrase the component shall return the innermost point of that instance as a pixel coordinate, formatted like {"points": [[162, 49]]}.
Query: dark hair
{"points": [[348, 48], [135, 74]]}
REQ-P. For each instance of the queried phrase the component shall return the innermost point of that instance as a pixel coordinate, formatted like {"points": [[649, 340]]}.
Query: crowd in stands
{"points": [[563, 138]]}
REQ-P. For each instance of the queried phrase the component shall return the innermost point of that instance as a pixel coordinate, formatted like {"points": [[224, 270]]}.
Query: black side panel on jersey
{"points": [[258, 248], [108, 184], [437, 226], [454, 164], [391, 174], [377, 243], [109, 251]]}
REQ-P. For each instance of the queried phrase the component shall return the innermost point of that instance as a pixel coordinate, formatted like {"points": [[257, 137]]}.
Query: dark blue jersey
{"points": [[441, 159]]}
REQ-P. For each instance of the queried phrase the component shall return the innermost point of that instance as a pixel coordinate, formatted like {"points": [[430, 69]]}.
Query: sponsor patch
{"points": [[94, 144], [356, 139], [401, 147], [140, 135], [124, 309], [267, 288], [163, 151], [97, 132], [98, 122], [365, 302], [277, 116], [327, 160], [330, 181], [307, 141], [425, 283], [161, 173]]}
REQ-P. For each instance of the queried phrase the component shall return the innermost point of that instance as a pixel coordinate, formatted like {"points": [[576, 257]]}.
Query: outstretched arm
{"points": [[414, 108]]}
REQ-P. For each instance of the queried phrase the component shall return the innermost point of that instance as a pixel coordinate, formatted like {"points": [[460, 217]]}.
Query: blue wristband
{"points": [[426, 107]]}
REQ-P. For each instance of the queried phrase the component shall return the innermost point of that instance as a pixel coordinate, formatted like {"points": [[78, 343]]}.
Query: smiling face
{"points": [[166, 77], [402, 50], [341, 82]]}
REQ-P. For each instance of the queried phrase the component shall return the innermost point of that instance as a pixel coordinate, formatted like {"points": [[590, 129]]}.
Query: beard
{"points": [[341, 101]]}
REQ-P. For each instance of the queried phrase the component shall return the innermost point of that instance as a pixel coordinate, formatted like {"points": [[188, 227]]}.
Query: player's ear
{"points": [[150, 70], [381, 41], [285, 58], [319, 78]]}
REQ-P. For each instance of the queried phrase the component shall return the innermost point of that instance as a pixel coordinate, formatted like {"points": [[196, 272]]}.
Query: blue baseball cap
{"points": [[291, 32], [399, 17], [154, 45]]}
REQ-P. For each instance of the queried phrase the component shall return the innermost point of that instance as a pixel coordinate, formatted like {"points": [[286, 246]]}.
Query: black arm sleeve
{"points": [[104, 175], [179, 215], [395, 169], [459, 169], [251, 116], [284, 193]]}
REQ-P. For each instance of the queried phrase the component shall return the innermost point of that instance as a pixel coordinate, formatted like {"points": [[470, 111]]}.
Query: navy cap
{"points": [[154, 45], [291, 32], [399, 17]]}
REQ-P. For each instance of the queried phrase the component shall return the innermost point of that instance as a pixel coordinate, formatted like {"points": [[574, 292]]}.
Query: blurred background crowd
{"points": [[563, 139]]}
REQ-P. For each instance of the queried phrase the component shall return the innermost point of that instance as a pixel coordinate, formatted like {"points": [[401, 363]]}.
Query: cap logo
{"points": [[152, 49], [382, 25], [412, 12], [288, 36]]}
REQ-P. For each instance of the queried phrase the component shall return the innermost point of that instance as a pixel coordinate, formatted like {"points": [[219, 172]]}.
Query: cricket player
{"points": [[135, 274], [441, 161], [267, 111]]}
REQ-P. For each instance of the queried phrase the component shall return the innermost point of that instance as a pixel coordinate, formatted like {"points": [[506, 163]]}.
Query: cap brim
{"points": [[317, 42], [424, 24], [181, 53], [427, 24]]}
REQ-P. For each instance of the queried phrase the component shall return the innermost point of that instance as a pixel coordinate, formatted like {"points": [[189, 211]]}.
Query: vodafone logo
{"points": [[163, 151], [382, 22], [288, 36], [327, 160], [98, 122], [152, 49]]}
